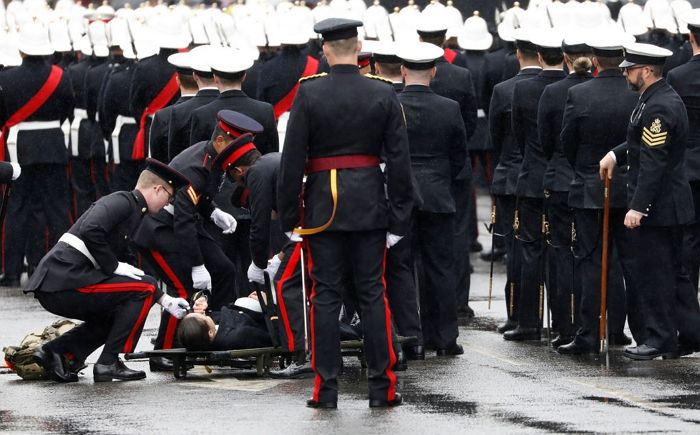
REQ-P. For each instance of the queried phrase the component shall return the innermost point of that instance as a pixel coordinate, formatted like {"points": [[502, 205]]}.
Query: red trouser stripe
{"points": [[288, 272], [127, 287], [181, 292], [317, 378], [392, 357]]}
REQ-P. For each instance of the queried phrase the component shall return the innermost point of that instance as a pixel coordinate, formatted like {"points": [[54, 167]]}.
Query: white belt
{"points": [[79, 245], [28, 125], [78, 116], [121, 122]]}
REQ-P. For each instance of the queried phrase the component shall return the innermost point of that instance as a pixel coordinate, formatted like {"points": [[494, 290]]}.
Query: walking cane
{"points": [[603, 326]]}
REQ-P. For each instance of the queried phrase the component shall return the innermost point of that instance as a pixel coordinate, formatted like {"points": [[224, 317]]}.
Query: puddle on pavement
{"points": [[683, 401], [442, 404], [11, 422], [549, 426], [607, 400]]}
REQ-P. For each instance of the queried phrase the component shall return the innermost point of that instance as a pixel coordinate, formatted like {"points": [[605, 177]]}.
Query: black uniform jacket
{"points": [[160, 126], [656, 141], [346, 113], [239, 330], [526, 97], [261, 181], [5, 172], [505, 149], [437, 144], [280, 74], [195, 203], [18, 85], [550, 112], [178, 134], [595, 121], [106, 229], [685, 80], [455, 83], [115, 102], [474, 61], [203, 119], [87, 130]]}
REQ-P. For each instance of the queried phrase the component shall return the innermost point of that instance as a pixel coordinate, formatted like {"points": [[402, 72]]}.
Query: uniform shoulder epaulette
{"points": [[372, 76], [315, 76]]}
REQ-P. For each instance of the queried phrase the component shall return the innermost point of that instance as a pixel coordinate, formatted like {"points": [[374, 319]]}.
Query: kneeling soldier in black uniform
{"points": [[85, 277]]}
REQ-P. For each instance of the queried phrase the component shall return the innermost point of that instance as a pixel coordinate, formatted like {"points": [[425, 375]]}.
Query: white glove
{"points": [[293, 237], [176, 306], [125, 269], [224, 221], [16, 170], [256, 274], [201, 278], [273, 265], [392, 239]]}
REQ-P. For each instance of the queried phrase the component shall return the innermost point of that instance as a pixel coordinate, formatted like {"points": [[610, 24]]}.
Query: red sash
{"points": [[285, 103], [164, 96], [450, 55], [31, 106]]}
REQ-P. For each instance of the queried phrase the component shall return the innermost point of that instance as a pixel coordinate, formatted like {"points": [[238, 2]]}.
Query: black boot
{"points": [[523, 334], [160, 364], [118, 371], [377, 403], [53, 366]]}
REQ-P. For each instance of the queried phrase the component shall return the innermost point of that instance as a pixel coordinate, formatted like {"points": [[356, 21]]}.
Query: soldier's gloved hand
{"points": [[16, 170], [176, 306], [125, 269], [392, 239], [293, 237], [224, 221], [256, 274], [272, 266], [201, 278]]}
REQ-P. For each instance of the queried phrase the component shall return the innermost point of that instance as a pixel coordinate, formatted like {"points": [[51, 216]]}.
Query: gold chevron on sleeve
{"points": [[193, 195], [653, 139]]}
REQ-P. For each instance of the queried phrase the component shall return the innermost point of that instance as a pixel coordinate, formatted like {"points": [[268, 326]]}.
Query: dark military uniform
{"points": [[203, 120], [67, 283], [662, 306], [685, 80], [456, 83], [178, 135], [593, 123], [437, 144], [530, 196], [346, 114], [509, 159], [43, 156], [557, 178], [160, 128]]}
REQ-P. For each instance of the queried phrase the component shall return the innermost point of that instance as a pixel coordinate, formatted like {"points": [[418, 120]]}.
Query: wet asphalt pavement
{"points": [[495, 387]]}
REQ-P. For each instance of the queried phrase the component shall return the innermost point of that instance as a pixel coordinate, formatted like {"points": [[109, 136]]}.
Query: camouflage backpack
{"points": [[19, 358]]}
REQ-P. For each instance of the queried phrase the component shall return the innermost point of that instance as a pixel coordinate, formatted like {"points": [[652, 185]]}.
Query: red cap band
{"points": [[230, 130], [240, 152]]}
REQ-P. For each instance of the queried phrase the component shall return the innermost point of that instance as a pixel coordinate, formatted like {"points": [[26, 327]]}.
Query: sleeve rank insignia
{"points": [[653, 136], [194, 197]]}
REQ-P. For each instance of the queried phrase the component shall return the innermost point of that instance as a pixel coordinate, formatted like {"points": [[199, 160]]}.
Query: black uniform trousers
{"points": [[125, 174], [290, 298], [691, 240], [505, 215], [662, 306], [567, 276], [83, 183], [588, 249], [48, 185], [113, 313], [434, 255], [532, 268], [332, 256], [401, 290], [462, 239]]}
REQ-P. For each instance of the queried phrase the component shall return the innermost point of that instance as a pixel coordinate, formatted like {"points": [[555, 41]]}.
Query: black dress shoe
{"points": [[687, 348], [509, 325], [498, 255], [645, 353], [562, 340], [160, 364], [118, 371], [619, 340], [377, 403], [414, 353], [465, 311], [401, 365], [321, 405], [53, 366], [575, 348], [294, 370], [452, 350], [9, 281], [475, 247], [523, 334]]}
